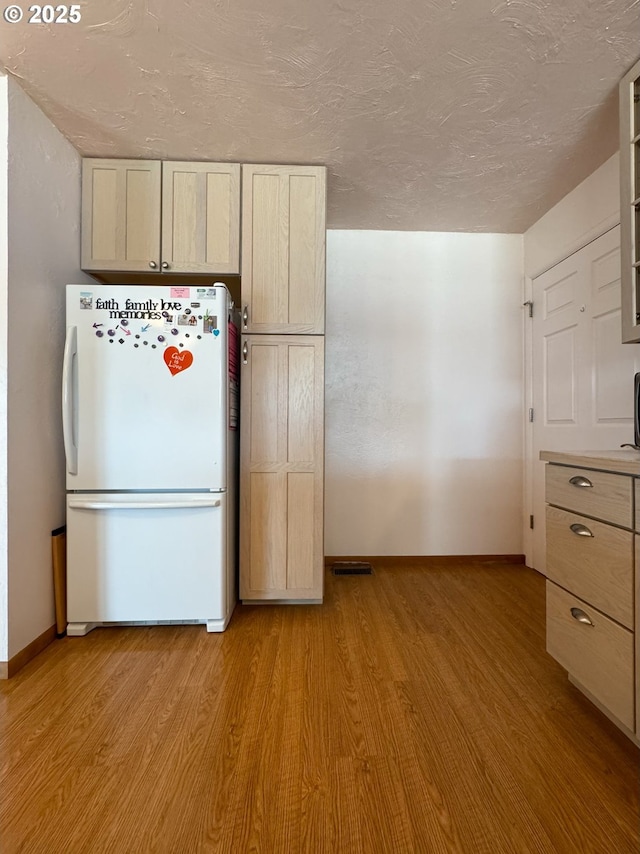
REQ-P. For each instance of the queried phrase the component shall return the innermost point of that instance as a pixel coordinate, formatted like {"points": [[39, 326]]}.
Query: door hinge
{"points": [[529, 302], [531, 414], [531, 522]]}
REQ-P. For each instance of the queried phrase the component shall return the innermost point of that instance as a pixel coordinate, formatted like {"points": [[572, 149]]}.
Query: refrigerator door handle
{"points": [[70, 352], [85, 504]]}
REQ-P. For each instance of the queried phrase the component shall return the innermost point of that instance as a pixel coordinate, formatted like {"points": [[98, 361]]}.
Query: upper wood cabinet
{"points": [[120, 214], [283, 249], [201, 217], [172, 217], [630, 203]]}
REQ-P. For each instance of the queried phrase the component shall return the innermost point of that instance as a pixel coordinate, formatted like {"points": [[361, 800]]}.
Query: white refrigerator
{"points": [[150, 424]]}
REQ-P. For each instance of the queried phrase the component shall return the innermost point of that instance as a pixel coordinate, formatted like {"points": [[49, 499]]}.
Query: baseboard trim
{"points": [[11, 667], [425, 560]]}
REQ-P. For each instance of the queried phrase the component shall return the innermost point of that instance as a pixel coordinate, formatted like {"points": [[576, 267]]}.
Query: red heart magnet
{"points": [[177, 360]]}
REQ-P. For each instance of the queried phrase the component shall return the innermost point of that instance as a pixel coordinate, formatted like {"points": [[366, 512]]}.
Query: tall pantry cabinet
{"points": [[282, 406]]}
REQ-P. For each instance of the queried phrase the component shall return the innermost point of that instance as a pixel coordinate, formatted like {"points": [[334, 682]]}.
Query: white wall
{"points": [[581, 216], [44, 245], [4, 594], [423, 393]]}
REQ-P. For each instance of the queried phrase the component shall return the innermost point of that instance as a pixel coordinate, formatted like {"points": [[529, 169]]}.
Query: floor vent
{"points": [[352, 567]]}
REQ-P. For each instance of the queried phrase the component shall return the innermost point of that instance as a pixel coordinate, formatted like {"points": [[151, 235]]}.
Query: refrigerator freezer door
{"points": [[148, 557], [145, 388]]}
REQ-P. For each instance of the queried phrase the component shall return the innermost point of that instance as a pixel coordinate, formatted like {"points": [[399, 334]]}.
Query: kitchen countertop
{"points": [[622, 461]]}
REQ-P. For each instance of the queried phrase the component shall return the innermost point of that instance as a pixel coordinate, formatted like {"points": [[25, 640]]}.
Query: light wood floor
{"points": [[416, 711]]}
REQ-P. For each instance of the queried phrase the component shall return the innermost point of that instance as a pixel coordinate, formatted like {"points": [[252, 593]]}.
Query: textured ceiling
{"points": [[443, 115]]}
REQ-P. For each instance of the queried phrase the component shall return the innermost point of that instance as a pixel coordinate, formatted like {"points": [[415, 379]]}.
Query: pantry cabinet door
{"points": [[283, 249], [200, 217], [121, 215], [282, 468]]}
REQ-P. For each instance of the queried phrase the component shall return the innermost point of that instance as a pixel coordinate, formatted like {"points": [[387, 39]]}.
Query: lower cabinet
{"points": [[595, 650], [282, 468], [592, 604]]}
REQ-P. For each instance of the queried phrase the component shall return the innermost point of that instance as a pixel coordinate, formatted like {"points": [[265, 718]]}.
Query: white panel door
{"points": [[582, 373], [145, 388]]}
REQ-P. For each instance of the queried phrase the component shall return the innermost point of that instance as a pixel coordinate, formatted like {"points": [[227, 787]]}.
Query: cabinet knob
{"points": [[579, 615], [580, 481], [245, 353], [581, 530], [153, 265], [165, 265], [245, 316]]}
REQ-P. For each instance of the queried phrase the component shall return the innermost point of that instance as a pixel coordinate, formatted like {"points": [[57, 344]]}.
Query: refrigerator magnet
{"points": [[187, 319], [210, 323], [177, 360]]}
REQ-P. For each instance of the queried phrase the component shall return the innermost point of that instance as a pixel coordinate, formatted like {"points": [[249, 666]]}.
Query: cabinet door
{"points": [[283, 249], [281, 469], [120, 215], [596, 652], [200, 217]]}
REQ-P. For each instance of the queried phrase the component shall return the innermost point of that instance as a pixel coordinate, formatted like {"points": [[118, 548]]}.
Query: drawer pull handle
{"points": [[579, 615], [581, 481], [581, 530]]}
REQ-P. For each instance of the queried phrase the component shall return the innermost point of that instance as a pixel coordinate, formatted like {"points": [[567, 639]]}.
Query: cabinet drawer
{"points": [[597, 568], [608, 497], [599, 656]]}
